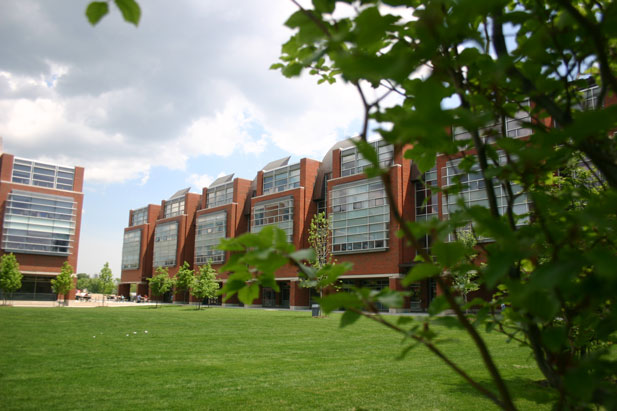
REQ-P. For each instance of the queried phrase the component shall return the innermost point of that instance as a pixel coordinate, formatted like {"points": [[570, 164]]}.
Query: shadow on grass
{"points": [[520, 388]]}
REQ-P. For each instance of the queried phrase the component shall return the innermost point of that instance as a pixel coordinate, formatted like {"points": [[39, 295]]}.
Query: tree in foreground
{"points": [[205, 284], [160, 283], [462, 76], [63, 283], [10, 276], [184, 280]]}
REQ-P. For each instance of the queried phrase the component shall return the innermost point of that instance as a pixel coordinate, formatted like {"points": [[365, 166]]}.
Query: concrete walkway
{"points": [[74, 304]]}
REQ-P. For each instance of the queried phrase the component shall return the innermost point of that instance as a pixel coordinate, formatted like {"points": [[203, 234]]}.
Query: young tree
{"points": [[465, 281], [160, 283], [320, 241], [184, 279], [205, 284], [107, 280], [63, 283], [10, 276]]}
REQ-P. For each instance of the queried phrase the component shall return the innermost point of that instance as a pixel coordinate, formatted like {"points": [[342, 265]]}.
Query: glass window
{"points": [[282, 179], [174, 207], [38, 223], [590, 98], [131, 249], [352, 162], [516, 126], [140, 216], [210, 229], [277, 212], [43, 175], [220, 195], [165, 244], [474, 191], [426, 202], [360, 217]]}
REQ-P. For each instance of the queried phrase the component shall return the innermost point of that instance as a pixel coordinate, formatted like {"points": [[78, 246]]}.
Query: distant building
{"points": [[40, 208]]}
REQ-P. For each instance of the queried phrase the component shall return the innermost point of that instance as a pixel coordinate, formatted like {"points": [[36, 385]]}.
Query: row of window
{"points": [[281, 179], [174, 207], [211, 228], [360, 217], [220, 195], [278, 212], [38, 223], [165, 244], [42, 175], [352, 161], [130, 249], [140, 216]]}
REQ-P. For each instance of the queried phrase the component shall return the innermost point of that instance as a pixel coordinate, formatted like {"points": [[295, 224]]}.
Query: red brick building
{"points": [[41, 206], [363, 225]]}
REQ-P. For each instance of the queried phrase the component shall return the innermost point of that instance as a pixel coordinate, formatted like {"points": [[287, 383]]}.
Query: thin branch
{"points": [[378, 318]]}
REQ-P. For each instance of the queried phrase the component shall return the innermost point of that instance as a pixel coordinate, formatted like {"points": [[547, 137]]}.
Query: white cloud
{"points": [[189, 82], [198, 181]]}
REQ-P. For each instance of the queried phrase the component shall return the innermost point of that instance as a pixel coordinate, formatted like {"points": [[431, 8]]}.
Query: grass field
{"points": [[103, 358]]}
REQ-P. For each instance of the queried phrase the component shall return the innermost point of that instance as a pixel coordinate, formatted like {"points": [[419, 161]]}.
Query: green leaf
{"points": [[368, 152], [449, 254], [249, 294], [324, 6], [292, 70], [391, 298], [420, 272], [307, 254], [438, 305], [423, 157], [130, 10], [554, 338], [348, 318], [339, 300], [96, 10]]}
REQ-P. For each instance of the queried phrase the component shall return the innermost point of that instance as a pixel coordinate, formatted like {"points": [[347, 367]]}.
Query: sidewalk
{"points": [[75, 304]]}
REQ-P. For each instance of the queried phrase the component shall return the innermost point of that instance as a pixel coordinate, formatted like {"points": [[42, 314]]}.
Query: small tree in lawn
{"points": [[466, 281], [10, 276], [63, 283], [320, 241], [107, 281], [205, 284], [160, 283], [184, 279]]}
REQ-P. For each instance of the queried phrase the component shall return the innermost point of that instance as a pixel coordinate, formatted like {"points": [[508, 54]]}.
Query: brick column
{"points": [[125, 290], [298, 296], [143, 289]]}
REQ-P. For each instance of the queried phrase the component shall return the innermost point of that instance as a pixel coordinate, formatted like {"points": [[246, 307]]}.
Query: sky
{"points": [[183, 98]]}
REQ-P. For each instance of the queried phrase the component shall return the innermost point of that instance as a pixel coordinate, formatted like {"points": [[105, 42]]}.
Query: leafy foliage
{"points": [[550, 265], [131, 12], [160, 283], [10, 276], [205, 284], [107, 281], [63, 283]]}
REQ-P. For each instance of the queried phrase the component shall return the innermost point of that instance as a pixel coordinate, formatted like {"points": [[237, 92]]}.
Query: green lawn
{"points": [[103, 358]]}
